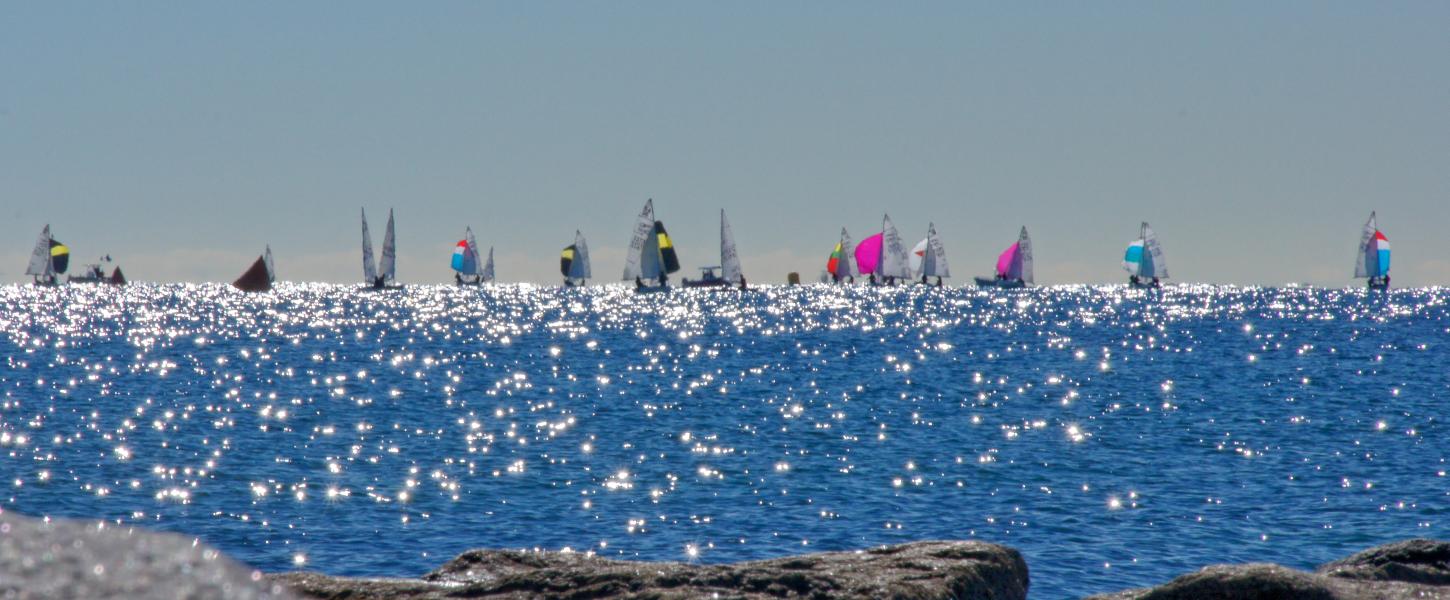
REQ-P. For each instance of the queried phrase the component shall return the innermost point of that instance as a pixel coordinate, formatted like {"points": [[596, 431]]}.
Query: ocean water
{"points": [[1117, 438]]}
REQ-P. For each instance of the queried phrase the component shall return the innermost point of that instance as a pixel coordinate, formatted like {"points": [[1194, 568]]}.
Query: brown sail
{"points": [[255, 279], [117, 278]]}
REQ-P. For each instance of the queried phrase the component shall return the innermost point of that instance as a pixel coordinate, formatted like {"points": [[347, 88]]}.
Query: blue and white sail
{"points": [[1373, 259], [1144, 256]]}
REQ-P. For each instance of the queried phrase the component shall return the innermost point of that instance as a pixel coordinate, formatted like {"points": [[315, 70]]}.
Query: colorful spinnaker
{"points": [[1143, 260], [465, 259], [574, 262], [868, 255], [49, 259], [651, 256], [883, 256], [839, 265], [1373, 259]]}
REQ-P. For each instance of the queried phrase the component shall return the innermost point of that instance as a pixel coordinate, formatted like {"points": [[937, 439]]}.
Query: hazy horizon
{"points": [[182, 138]]}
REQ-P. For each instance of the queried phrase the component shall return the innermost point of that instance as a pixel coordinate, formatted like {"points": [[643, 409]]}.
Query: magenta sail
{"points": [[868, 254], [1004, 263]]}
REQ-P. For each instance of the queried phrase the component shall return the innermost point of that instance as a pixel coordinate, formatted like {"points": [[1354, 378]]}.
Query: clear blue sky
{"points": [[1256, 137]]}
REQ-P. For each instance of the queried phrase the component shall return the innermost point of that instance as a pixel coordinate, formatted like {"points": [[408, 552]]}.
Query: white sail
{"points": [[934, 263], [388, 264], [579, 269], [1367, 260], [271, 271], [729, 260], [40, 264], [846, 263], [634, 257], [486, 274], [1024, 255], [894, 262], [370, 269], [1153, 263], [473, 248]]}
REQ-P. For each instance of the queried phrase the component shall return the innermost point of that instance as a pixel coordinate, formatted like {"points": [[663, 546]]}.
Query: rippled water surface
{"points": [[1117, 438]]}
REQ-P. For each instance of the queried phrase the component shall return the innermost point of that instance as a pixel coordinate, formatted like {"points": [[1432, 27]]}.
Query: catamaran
{"points": [[840, 267], [730, 274], [574, 262], [48, 260], [1014, 265], [883, 257], [929, 258], [1144, 260], [375, 275], [259, 276], [468, 269], [651, 256], [1373, 261]]}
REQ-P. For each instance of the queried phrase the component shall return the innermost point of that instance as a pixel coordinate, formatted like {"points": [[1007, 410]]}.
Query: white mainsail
{"points": [[478, 267], [1367, 261], [846, 262], [370, 269], [486, 275], [729, 260], [1153, 263], [1024, 256], [579, 269], [40, 264], [934, 262], [388, 264], [894, 261], [635, 257], [267, 258]]}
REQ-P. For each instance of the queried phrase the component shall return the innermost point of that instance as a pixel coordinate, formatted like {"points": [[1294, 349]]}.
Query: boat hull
{"points": [[705, 283], [1005, 284], [651, 289]]}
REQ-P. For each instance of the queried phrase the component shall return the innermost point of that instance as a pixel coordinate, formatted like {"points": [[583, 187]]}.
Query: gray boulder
{"points": [[922, 570], [83, 559]]}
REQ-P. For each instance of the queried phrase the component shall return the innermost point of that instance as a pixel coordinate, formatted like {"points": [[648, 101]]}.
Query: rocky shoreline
{"points": [[62, 558]]}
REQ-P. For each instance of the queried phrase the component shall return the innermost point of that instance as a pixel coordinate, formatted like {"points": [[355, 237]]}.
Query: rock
{"points": [[65, 558], [920, 570], [1408, 569]]}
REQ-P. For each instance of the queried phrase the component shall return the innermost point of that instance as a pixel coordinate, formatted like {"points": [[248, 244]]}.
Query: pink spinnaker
{"points": [[1005, 260], [868, 254]]}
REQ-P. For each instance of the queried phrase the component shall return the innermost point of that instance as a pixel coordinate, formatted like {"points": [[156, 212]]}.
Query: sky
{"points": [[1255, 137]]}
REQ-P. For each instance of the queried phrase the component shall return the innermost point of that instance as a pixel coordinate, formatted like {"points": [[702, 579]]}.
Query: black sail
{"points": [[255, 279]]}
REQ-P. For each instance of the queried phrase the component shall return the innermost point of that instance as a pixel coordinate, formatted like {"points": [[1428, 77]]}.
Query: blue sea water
{"points": [[1117, 438]]}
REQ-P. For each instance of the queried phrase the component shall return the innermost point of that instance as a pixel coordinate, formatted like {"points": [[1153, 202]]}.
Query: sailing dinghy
{"points": [[1144, 261], [574, 262], [839, 267], [468, 270], [730, 274], [375, 275], [651, 256], [883, 257], [1014, 265], [48, 260], [929, 258], [1373, 260]]}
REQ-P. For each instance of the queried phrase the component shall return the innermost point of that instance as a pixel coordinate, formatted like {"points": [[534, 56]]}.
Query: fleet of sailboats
{"points": [[1373, 260], [1014, 265], [651, 258], [1143, 260]]}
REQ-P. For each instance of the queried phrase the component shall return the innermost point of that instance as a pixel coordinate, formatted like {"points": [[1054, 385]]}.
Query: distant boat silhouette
{"points": [[468, 269], [574, 262], [48, 260], [1014, 265], [840, 267], [379, 276], [257, 278], [730, 273], [883, 256], [929, 258], [1373, 260], [651, 256], [1143, 260]]}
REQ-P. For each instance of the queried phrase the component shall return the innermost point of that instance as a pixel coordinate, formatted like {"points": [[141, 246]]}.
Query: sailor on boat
{"points": [[651, 254], [1143, 260], [48, 260]]}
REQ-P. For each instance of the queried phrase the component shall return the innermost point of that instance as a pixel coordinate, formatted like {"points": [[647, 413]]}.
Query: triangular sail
{"points": [[1366, 262], [370, 269], [465, 257], [841, 264], [59, 256], [40, 257], [934, 263], [580, 269], [894, 262], [473, 249], [271, 269], [117, 277], [387, 267], [1023, 262], [255, 278], [729, 260], [669, 261], [635, 258], [486, 274], [868, 255], [1153, 264]]}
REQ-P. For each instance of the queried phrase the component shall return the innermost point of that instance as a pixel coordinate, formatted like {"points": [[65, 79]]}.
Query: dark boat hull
{"points": [[1005, 284]]}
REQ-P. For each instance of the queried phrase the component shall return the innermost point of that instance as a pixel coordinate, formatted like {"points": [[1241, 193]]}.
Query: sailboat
{"points": [[486, 276], [730, 273], [378, 276], [929, 258], [1144, 261], [469, 270], [1014, 265], [840, 267], [258, 277], [48, 260], [1373, 261], [574, 262], [651, 256], [883, 257], [96, 273]]}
